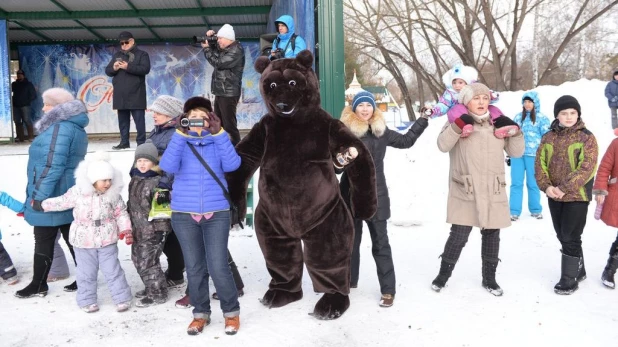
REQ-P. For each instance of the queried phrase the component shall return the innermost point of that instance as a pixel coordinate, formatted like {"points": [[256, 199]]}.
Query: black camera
{"points": [[210, 39], [192, 122], [278, 54]]}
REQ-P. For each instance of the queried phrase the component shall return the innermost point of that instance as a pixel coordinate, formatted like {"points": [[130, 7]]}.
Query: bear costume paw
{"points": [[331, 306], [279, 298]]}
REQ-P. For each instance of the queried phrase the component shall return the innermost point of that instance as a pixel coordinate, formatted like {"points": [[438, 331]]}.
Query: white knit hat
{"points": [[466, 73], [227, 32], [471, 90], [99, 167], [57, 96]]}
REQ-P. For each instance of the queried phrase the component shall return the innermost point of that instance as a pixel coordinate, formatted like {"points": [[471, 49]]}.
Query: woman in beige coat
{"points": [[477, 195]]}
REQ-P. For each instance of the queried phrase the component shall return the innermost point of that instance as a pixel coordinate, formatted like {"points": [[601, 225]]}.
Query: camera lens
{"points": [[184, 122]]}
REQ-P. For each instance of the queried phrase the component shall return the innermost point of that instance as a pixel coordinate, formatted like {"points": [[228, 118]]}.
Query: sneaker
{"points": [[537, 215], [12, 280], [56, 278], [467, 130], [141, 294], [240, 293], [123, 306], [506, 131], [232, 324], [90, 308], [71, 287], [184, 302], [387, 300], [514, 218], [175, 283], [149, 301], [197, 325]]}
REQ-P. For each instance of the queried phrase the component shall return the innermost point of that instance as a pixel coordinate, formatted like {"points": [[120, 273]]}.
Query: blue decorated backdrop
{"points": [[178, 70], [6, 129]]}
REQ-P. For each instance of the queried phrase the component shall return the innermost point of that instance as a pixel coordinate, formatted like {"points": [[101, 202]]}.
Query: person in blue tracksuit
{"points": [[533, 125], [287, 44]]}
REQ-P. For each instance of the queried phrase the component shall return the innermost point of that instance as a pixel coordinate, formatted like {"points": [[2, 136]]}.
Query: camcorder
{"points": [[192, 122], [210, 39], [278, 54]]}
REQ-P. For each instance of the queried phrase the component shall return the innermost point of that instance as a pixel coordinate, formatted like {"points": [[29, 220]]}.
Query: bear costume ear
{"points": [[261, 64], [305, 58]]}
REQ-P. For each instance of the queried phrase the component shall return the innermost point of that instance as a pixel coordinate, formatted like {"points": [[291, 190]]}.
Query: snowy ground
{"points": [[463, 314]]}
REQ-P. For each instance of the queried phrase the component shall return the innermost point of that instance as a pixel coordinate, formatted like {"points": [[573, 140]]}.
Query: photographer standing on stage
{"points": [[227, 57], [287, 44]]}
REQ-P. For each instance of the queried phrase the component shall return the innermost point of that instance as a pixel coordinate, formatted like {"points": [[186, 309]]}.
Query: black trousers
{"points": [[225, 108], [44, 240], [457, 239], [175, 260], [382, 254], [569, 220], [124, 124]]}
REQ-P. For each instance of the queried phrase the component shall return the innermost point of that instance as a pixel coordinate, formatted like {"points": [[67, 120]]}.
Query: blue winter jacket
{"points": [[611, 93], [8, 201], [532, 132], [194, 189], [283, 39], [53, 156]]}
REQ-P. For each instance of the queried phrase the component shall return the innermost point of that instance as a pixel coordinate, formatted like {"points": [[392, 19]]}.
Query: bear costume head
{"points": [[288, 85]]}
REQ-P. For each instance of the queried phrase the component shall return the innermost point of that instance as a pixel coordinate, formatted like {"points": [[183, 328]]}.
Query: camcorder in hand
{"points": [[278, 54], [192, 122], [210, 39]]}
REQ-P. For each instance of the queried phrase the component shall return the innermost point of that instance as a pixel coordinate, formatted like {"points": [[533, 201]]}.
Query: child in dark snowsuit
{"points": [[149, 236]]}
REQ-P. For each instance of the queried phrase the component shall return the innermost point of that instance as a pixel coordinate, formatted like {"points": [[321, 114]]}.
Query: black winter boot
{"points": [[38, 286], [71, 287], [446, 269], [568, 281], [610, 270], [581, 275], [489, 276]]}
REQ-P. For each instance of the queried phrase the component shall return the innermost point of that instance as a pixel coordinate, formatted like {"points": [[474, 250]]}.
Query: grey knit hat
{"points": [[471, 90], [147, 150], [57, 96], [167, 106]]}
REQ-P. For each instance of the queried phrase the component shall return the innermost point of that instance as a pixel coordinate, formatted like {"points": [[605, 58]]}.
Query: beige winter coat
{"points": [[477, 188]]}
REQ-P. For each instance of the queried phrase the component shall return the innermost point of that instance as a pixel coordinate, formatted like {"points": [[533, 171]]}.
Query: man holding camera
{"points": [[128, 69], [227, 57]]}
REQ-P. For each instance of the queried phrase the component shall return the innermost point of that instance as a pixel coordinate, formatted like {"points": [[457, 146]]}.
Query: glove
{"points": [[615, 99], [163, 197], [126, 236], [214, 123], [345, 157], [36, 205]]}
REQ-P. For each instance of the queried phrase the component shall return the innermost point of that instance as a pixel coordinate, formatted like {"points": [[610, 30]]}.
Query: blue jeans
{"points": [[204, 248], [521, 167]]}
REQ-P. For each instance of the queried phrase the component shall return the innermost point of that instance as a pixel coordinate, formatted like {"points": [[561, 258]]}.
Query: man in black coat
{"points": [[128, 69], [227, 57], [23, 94]]}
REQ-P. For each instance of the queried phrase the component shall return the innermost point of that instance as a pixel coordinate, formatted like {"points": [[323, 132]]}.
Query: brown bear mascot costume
{"points": [[295, 145]]}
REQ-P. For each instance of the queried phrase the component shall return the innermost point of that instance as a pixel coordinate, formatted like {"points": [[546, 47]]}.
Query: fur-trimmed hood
{"points": [[83, 183], [359, 127], [64, 112]]}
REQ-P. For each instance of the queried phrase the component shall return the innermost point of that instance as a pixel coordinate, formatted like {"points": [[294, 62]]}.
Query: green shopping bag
{"points": [[159, 211]]}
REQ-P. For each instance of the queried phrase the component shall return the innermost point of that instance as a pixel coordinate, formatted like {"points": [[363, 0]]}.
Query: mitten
{"points": [[615, 99], [163, 197], [20, 214], [36, 205], [214, 123], [127, 236], [494, 95], [464, 125], [505, 127], [345, 157]]}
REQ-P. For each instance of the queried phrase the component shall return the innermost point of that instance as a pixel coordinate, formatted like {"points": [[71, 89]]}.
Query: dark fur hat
{"points": [[197, 102]]}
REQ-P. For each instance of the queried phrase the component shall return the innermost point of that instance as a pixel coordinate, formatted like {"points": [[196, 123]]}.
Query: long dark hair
{"points": [[532, 113]]}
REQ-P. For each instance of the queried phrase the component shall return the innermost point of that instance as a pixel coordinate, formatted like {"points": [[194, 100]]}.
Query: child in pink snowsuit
{"points": [[455, 79], [100, 219]]}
